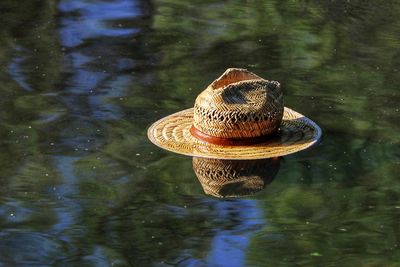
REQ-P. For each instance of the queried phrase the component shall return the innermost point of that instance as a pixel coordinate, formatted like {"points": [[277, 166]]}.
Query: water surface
{"points": [[81, 80]]}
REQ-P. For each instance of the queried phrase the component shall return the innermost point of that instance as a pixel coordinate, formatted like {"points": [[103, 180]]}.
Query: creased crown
{"points": [[239, 104]]}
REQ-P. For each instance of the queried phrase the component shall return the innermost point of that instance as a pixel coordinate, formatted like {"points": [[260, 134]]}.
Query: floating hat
{"points": [[238, 116], [234, 178]]}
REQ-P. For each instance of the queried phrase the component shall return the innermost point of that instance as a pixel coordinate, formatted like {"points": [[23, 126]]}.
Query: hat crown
{"points": [[239, 104]]}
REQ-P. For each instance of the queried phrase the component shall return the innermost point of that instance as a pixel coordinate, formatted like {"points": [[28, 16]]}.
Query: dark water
{"points": [[81, 80]]}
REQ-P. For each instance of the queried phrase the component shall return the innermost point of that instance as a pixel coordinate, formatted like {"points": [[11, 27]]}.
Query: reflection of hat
{"points": [[238, 116], [234, 178]]}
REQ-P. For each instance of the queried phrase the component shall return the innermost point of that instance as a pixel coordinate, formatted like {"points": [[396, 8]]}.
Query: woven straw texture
{"points": [[172, 133], [239, 104], [234, 178]]}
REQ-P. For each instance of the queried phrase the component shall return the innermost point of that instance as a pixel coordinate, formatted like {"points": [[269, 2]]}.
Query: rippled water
{"points": [[81, 80]]}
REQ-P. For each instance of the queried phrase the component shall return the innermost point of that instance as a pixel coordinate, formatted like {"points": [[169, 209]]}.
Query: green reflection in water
{"points": [[80, 181]]}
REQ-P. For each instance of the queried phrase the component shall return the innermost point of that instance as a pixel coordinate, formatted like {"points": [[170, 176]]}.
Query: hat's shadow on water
{"points": [[235, 178]]}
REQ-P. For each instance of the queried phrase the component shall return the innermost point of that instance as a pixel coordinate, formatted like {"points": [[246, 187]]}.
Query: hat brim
{"points": [[297, 133]]}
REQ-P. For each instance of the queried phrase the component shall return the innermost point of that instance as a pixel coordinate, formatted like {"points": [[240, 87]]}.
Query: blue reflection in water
{"points": [[89, 85], [85, 25], [239, 220], [64, 194], [16, 72], [96, 21], [229, 245], [94, 18]]}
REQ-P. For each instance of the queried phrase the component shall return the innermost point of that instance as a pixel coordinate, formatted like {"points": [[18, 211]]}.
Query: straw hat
{"points": [[238, 116], [234, 178]]}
